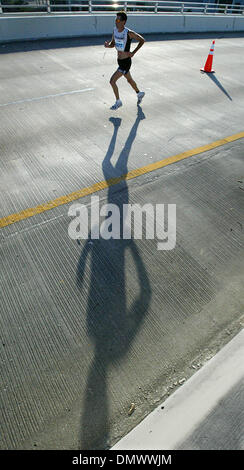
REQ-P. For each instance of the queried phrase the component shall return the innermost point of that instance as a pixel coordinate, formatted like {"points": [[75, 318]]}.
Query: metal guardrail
{"points": [[103, 6]]}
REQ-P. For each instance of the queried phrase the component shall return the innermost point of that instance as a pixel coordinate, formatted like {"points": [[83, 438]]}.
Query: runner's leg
{"points": [[140, 94], [131, 81], [113, 81]]}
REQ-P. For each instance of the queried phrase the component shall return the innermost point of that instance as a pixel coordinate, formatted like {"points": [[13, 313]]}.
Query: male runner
{"points": [[121, 40]]}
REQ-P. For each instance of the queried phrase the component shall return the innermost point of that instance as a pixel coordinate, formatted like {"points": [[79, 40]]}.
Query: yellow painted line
{"points": [[25, 214]]}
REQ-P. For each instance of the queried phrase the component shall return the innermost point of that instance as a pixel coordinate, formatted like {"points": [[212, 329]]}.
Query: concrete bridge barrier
{"points": [[23, 28]]}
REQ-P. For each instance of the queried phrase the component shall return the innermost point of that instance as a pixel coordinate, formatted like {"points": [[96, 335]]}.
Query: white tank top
{"points": [[120, 38]]}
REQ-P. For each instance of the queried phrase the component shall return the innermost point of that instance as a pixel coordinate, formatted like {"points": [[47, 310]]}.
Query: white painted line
{"points": [[46, 97]]}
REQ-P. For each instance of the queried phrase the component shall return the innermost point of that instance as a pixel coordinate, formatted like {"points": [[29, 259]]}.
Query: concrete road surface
{"points": [[91, 327], [205, 413]]}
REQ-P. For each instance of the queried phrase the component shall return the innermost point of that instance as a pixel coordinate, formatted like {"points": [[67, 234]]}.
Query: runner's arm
{"points": [[138, 38], [111, 43]]}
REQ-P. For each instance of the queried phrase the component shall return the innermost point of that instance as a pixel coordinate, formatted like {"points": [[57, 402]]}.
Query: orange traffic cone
{"points": [[208, 66]]}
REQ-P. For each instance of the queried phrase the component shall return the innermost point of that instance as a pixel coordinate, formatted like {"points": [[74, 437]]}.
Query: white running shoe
{"points": [[117, 104], [140, 95]]}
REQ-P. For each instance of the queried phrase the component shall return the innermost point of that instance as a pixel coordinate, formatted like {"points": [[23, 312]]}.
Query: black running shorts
{"points": [[124, 65]]}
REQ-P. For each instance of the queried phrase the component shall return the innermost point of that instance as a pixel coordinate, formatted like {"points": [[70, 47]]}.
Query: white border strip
{"points": [[184, 410]]}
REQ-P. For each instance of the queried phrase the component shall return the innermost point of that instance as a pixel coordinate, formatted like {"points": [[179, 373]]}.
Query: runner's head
{"points": [[121, 18]]}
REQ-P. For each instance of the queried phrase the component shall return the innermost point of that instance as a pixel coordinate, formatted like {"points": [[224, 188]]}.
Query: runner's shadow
{"points": [[217, 82], [111, 324]]}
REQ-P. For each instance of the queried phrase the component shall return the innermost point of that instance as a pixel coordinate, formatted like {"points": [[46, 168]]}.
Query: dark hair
{"points": [[122, 15]]}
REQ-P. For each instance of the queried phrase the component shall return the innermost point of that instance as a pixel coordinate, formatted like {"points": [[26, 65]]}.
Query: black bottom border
{"points": [[106, 458]]}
